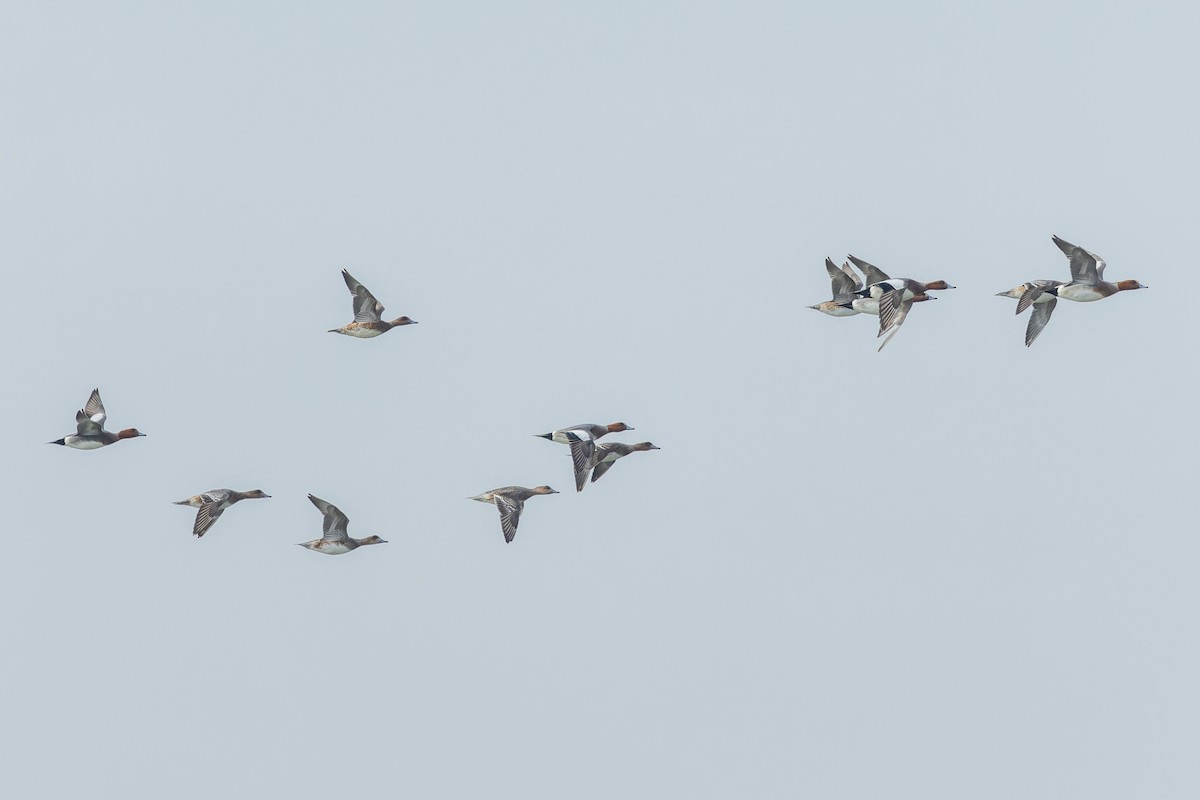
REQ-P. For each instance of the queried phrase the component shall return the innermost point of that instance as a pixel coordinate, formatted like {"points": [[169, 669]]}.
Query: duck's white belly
{"points": [[1081, 293], [867, 305], [83, 444]]}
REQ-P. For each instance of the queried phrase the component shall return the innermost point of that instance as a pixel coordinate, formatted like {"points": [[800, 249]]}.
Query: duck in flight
{"points": [[607, 454], [335, 541], [89, 427], [212, 505], [1087, 283], [1033, 293], [510, 500], [368, 313], [582, 441]]}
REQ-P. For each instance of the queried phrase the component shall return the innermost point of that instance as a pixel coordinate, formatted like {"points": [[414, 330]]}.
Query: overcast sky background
{"points": [[957, 568]]}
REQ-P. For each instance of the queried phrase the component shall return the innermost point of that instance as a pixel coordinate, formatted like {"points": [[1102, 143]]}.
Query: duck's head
{"points": [[617, 427], [129, 433], [543, 490], [372, 540]]}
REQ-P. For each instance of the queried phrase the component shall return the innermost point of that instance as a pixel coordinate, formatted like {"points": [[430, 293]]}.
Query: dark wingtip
{"points": [[62, 441], [545, 435]]}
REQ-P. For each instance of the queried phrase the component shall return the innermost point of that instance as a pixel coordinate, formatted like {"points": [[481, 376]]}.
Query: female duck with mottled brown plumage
{"points": [[212, 505], [368, 313]]}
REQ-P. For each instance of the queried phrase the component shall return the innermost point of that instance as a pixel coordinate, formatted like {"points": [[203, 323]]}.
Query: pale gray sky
{"points": [[959, 568]]}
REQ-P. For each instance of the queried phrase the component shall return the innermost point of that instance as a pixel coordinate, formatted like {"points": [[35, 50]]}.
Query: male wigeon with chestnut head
{"points": [[89, 428]]}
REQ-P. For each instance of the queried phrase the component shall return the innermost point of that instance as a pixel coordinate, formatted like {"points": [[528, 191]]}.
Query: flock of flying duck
{"points": [[589, 457], [892, 298]]}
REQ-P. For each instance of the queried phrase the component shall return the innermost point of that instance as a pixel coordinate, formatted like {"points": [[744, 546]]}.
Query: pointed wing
{"points": [[901, 313], [583, 453], [1085, 267], [888, 339], [366, 307], [510, 515], [890, 313], [842, 283], [600, 469], [208, 514], [94, 407], [1038, 320], [335, 523], [857, 281], [871, 273], [90, 418], [1032, 292]]}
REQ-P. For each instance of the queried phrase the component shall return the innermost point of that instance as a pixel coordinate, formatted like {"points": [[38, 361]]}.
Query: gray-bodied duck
{"points": [[212, 505], [510, 501], [335, 540], [89, 428]]}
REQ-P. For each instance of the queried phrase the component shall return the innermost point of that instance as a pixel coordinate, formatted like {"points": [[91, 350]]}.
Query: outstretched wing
{"points": [[1038, 319], [90, 418], [842, 283], [366, 307], [1032, 292], [583, 452], [857, 281], [335, 523], [600, 469], [1085, 267], [888, 339], [208, 514], [890, 314], [510, 514], [901, 313], [871, 273]]}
